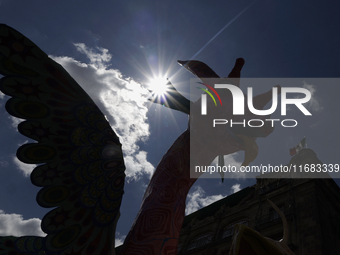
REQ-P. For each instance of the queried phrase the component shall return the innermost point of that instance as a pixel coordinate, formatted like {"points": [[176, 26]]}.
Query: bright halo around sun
{"points": [[158, 85]]}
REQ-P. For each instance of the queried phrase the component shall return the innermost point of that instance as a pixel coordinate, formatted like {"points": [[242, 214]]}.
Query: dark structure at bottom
{"points": [[310, 205]]}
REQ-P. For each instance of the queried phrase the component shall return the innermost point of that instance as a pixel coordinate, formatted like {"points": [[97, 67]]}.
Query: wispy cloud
{"points": [[138, 164], [119, 240], [197, 199], [2, 96], [121, 100], [97, 59], [25, 168], [14, 225], [236, 187], [15, 121], [314, 103], [230, 160]]}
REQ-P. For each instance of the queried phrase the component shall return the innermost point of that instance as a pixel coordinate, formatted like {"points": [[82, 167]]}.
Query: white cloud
{"points": [[14, 225], [119, 240], [138, 164], [121, 99], [98, 59], [25, 168], [197, 200], [230, 160], [236, 187], [15, 121], [314, 103], [2, 95]]}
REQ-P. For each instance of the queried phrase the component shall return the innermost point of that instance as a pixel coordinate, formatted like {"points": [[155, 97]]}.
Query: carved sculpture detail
{"points": [[247, 241]]}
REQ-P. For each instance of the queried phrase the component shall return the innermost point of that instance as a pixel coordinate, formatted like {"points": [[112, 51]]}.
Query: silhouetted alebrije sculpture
{"points": [[81, 171]]}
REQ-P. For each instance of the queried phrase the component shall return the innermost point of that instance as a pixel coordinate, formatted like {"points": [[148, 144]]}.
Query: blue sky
{"points": [[114, 48]]}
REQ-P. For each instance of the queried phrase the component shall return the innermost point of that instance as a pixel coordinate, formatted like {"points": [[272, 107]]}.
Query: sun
{"points": [[158, 85]]}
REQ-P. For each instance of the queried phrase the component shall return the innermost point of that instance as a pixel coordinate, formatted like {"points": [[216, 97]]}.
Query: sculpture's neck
{"points": [[158, 224]]}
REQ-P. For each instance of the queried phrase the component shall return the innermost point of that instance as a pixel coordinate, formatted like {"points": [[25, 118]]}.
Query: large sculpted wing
{"points": [[80, 162]]}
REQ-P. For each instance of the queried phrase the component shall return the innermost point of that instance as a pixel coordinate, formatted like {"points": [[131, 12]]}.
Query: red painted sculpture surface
{"points": [[81, 171]]}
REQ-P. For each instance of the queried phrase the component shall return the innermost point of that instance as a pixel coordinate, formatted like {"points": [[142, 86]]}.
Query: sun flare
{"points": [[158, 85]]}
